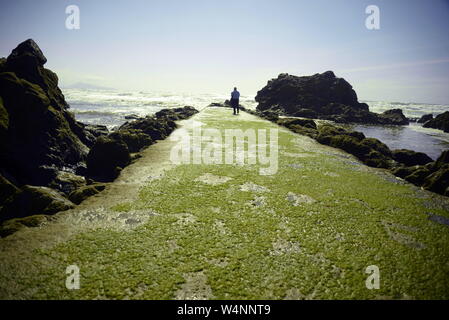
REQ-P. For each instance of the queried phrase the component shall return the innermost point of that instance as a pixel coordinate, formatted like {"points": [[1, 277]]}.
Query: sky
{"points": [[211, 46]]}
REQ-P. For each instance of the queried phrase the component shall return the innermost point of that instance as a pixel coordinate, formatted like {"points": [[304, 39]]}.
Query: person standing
{"points": [[235, 95]]}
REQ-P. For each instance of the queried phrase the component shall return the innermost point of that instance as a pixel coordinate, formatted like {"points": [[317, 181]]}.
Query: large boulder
{"points": [[441, 122], [393, 117], [106, 159], [37, 130], [321, 96]]}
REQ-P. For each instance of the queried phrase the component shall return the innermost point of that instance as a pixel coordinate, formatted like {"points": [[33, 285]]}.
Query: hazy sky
{"points": [[210, 46]]}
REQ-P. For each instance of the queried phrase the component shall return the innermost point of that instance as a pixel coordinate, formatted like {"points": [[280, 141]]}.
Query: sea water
{"points": [[110, 107]]}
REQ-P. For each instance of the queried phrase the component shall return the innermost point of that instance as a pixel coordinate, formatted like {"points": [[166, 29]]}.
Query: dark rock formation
{"points": [[44, 154], [176, 113], [112, 153], [289, 122], [134, 139], [411, 158], [107, 158], [321, 96], [31, 200], [13, 225], [371, 151], [38, 131], [85, 192], [394, 117], [425, 118], [441, 122]]}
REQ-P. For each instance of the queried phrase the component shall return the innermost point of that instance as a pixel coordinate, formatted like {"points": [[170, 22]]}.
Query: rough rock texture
{"points": [[85, 192], [38, 131], [425, 118], [321, 96], [441, 122], [106, 159], [176, 113], [411, 158], [33, 200], [45, 153]]}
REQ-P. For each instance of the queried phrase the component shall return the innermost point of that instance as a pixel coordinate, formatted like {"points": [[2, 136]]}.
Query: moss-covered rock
{"points": [[378, 146], [438, 181], [442, 159], [157, 129], [306, 131], [85, 192], [106, 158], [33, 200], [13, 225], [441, 122], [136, 140], [176, 113], [403, 171], [410, 157], [288, 122], [67, 182], [418, 176], [269, 115], [36, 128], [376, 159]]}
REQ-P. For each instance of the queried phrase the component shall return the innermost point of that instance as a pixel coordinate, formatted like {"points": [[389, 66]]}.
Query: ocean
{"points": [[109, 107]]}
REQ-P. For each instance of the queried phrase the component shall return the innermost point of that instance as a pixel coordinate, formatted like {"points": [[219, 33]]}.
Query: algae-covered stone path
{"points": [[199, 231]]}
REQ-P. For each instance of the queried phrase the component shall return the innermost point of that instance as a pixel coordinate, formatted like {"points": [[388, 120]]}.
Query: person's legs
{"points": [[233, 105]]}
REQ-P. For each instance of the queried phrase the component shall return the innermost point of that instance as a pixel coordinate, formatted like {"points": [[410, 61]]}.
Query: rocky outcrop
{"points": [[110, 154], [321, 96], [411, 158], [440, 122], [85, 192], [107, 158], [31, 200], [425, 118], [176, 113], [39, 135], [45, 154]]}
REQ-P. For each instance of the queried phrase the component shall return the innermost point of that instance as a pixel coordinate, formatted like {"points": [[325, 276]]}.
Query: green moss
{"points": [[318, 249]]}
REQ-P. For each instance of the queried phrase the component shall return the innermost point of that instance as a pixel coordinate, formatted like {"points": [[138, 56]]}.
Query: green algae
{"points": [[215, 241]]}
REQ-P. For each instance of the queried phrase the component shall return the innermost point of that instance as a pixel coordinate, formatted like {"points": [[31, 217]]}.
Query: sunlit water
{"points": [[109, 107]]}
